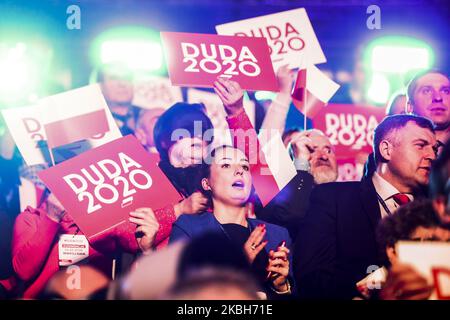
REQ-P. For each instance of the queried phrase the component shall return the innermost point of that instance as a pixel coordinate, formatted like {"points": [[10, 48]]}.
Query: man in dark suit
{"points": [[440, 186], [336, 244]]}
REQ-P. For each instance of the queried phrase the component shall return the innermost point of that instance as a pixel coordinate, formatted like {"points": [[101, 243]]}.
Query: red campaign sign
{"points": [[352, 169], [101, 186], [349, 127], [198, 59]]}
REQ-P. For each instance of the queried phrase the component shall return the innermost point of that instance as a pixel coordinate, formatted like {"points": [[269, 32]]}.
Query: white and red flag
{"points": [[312, 91], [77, 115], [77, 128]]}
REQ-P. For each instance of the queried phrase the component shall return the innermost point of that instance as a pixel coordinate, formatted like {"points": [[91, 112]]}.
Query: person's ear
{"points": [[205, 185], [385, 149], [390, 252]]}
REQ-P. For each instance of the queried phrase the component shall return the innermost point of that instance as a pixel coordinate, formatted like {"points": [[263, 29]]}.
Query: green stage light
{"points": [[136, 48], [389, 60], [398, 55], [135, 55], [379, 89], [18, 73], [392, 59], [264, 95]]}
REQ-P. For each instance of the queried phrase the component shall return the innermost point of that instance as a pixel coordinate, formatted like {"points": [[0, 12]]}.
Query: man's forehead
{"points": [[320, 140], [432, 79], [413, 131]]}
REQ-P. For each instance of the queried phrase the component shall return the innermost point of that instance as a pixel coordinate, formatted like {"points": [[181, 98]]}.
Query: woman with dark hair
{"points": [[179, 137], [181, 141], [227, 182]]}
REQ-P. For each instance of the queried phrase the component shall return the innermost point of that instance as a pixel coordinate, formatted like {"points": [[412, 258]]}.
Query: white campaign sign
{"points": [[26, 128], [78, 102], [155, 92], [427, 257], [289, 34]]}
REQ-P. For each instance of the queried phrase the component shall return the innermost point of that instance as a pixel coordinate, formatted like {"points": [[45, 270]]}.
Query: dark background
{"points": [[339, 25]]}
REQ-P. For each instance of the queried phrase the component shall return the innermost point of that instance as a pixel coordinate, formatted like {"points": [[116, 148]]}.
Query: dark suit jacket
{"points": [[336, 241], [191, 225], [290, 204]]}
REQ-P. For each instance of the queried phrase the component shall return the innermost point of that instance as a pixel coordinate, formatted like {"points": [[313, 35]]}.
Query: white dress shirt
{"points": [[386, 190]]}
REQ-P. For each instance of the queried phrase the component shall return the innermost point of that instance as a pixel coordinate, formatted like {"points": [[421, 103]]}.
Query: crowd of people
{"points": [[316, 239]]}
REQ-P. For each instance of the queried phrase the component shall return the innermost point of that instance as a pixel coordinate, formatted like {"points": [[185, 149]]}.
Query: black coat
{"points": [[289, 206], [336, 242]]}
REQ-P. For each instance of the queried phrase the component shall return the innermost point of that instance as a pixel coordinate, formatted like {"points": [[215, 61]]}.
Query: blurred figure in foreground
{"points": [[415, 221]]}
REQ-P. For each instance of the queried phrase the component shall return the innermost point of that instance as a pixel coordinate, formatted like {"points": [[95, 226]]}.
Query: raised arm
{"points": [[275, 119]]}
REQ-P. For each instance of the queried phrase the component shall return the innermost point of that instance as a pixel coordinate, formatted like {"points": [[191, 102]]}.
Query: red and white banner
{"points": [[350, 130], [289, 34], [83, 110], [100, 187], [198, 59], [349, 127], [153, 92], [312, 91], [432, 260]]}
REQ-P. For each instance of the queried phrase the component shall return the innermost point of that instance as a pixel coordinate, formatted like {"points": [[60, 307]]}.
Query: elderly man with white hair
{"points": [[312, 151]]}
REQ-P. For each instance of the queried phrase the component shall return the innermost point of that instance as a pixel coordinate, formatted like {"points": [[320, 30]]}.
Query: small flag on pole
{"points": [[312, 91]]}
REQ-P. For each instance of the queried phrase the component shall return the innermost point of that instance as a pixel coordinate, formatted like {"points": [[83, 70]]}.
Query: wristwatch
{"points": [[302, 164]]}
